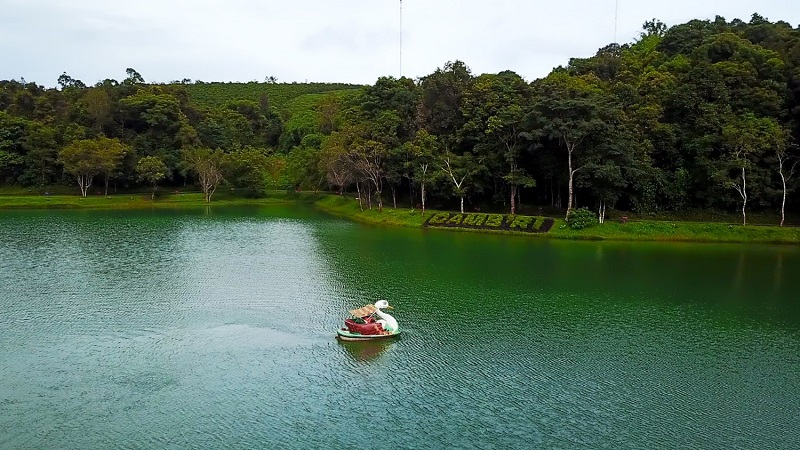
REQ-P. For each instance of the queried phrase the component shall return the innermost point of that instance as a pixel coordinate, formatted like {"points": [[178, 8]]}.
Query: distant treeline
{"points": [[695, 116]]}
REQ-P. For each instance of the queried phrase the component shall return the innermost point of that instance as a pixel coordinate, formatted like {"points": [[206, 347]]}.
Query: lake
{"points": [[214, 328]]}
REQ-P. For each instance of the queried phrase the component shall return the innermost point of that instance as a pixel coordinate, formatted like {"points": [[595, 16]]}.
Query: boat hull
{"points": [[347, 335]]}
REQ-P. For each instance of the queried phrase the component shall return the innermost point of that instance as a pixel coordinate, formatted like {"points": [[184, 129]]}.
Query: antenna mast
{"points": [[401, 38]]}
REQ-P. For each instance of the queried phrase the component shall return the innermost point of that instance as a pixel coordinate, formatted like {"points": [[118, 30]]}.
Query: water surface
{"points": [[214, 329]]}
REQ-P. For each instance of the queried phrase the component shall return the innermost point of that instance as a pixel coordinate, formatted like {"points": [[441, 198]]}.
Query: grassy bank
{"points": [[348, 207], [641, 230], [140, 201], [680, 232], [638, 230]]}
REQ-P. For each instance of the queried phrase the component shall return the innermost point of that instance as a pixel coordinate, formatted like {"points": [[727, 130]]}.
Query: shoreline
{"points": [[347, 208], [637, 231]]}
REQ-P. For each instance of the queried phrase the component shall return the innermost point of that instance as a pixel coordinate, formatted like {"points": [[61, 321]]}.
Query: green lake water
{"points": [[215, 329]]}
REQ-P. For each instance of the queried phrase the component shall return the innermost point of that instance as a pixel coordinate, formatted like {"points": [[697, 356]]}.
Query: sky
{"points": [[348, 41]]}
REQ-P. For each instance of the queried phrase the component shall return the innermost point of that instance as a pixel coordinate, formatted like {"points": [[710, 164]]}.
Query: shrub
{"points": [[522, 222], [581, 218], [475, 219], [455, 219], [439, 218], [494, 220]]}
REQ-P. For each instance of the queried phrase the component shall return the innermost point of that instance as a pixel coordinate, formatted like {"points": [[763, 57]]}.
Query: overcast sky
{"points": [[353, 41]]}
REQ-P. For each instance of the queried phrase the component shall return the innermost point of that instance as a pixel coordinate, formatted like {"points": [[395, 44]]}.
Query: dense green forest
{"points": [[702, 115]]}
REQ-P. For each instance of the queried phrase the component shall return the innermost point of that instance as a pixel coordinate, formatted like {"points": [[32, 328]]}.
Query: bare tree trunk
{"points": [[84, 182], [744, 196], [423, 198], [106, 194], [784, 178], [462, 205], [743, 193], [360, 200], [513, 199], [571, 175], [601, 212], [411, 192], [394, 197], [604, 212], [783, 203]]}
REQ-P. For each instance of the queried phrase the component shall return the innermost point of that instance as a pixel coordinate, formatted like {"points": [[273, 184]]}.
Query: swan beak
{"points": [[389, 307]]}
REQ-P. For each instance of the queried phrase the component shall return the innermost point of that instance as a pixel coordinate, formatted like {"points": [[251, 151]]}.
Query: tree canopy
{"points": [[668, 122]]}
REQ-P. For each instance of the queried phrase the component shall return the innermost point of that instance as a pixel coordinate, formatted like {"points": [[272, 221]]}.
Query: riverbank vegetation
{"points": [[618, 230], [14, 199], [701, 116]]}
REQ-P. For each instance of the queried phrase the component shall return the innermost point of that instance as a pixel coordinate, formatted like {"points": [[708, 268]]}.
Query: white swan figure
{"points": [[388, 322]]}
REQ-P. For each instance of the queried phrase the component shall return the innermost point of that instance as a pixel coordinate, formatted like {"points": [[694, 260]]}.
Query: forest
{"points": [[697, 116]]}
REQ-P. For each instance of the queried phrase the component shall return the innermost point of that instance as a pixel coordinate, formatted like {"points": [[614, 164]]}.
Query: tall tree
{"points": [[41, 153], [152, 170], [747, 137], [458, 170], [425, 149], [334, 159], [787, 162], [111, 153], [569, 109], [81, 159], [207, 164], [493, 109], [442, 94]]}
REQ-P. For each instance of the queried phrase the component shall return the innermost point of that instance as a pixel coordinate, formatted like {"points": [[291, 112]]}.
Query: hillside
{"points": [[280, 94]]}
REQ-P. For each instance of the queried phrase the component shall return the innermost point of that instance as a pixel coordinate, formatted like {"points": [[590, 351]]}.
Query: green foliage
{"points": [[250, 169], [475, 220], [440, 218], [280, 95], [521, 222], [152, 171], [207, 165], [455, 219], [581, 218], [302, 169], [88, 158], [494, 220], [670, 122]]}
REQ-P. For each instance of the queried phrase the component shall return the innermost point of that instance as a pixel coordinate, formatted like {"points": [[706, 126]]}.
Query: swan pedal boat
{"points": [[365, 327]]}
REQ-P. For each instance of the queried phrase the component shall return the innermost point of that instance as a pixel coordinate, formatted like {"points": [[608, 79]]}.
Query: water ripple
{"points": [[167, 330]]}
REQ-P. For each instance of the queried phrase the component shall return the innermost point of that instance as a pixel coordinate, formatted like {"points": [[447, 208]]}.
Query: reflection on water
{"points": [[214, 328], [365, 351]]}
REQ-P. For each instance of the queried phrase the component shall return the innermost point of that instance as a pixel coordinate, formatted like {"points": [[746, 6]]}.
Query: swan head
{"points": [[382, 304]]}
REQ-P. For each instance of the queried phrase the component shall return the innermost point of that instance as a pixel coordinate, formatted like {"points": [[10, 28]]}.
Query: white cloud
{"points": [[324, 40]]}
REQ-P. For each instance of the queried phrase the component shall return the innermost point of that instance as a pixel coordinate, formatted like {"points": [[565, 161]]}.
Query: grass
{"points": [[348, 207], [639, 230], [141, 200], [680, 232]]}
